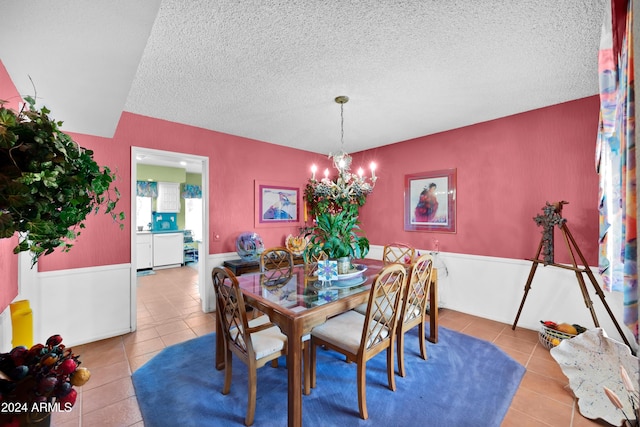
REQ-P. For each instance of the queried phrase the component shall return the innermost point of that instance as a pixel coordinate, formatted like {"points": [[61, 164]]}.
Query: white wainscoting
{"points": [[82, 305], [90, 304], [206, 291], [493, 288], [5, 331], [85, 304]]}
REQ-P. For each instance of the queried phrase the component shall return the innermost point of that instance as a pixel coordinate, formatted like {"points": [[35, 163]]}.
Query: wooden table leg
{"points": [[433, 307], [294, 384]]}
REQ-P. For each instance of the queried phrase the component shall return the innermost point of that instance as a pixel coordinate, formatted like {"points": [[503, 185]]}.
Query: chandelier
{"points": [[347, 188], [342, 159]]}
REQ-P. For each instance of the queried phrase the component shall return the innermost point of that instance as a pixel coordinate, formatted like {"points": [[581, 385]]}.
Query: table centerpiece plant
{"points": [[48, 183], [338, 235], [334, 206]]}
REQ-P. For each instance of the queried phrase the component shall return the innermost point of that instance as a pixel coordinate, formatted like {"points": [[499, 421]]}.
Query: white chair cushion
{"points": [[267, 341], [412, 313], [344, 331]]}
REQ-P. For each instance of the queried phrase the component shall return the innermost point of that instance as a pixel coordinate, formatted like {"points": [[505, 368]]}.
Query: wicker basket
{"points": [[550, 337]]}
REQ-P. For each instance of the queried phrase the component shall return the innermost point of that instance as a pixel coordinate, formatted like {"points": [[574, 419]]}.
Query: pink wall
{"points": [[234, 163], [101, 242], [506, 170]]}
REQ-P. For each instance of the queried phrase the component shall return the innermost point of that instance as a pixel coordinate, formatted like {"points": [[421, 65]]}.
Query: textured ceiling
{"points": [[270, 70]]}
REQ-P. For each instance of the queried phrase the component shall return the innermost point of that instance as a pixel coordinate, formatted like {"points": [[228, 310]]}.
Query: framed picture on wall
{"points": [[430, 201], [276, 205]]}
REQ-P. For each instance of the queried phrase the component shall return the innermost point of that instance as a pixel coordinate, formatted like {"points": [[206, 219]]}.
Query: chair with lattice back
{"points": [[360, 337], [254, 342], [393, 253], [414, 306], [399, 253], [311, 263], [276, 262]]}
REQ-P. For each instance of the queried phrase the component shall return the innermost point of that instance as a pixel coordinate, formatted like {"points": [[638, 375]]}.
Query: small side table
{"points": [[239, 266]]}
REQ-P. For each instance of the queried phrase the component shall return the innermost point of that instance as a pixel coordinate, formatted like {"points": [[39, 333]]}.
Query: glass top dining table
{"points": [[297, 304]]}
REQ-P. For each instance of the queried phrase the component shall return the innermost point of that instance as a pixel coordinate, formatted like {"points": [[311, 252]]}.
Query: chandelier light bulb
{"points": [[360, 172], [314, 168], [372, 166]]}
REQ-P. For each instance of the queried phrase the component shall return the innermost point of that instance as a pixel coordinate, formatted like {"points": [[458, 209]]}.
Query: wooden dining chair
{"points": [[399, 253], [254, 342], [360, 337], [275, 279], [276, 262], [414, 306], [393, 253], [311, 262]]}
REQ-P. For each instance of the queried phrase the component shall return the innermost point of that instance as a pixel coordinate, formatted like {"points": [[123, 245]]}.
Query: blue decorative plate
{"points": [[357, 271]]}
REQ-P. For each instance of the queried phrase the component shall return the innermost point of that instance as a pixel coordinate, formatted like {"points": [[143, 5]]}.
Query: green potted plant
{"points": [[334, 205], [48, 183], [338, 235]]}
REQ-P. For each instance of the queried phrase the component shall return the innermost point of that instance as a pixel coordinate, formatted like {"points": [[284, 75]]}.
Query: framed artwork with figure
{"points": [[276, 205], [430, 201]]}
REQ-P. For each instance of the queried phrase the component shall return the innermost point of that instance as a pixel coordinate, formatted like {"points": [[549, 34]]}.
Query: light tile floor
{"points": [[169, 313]]}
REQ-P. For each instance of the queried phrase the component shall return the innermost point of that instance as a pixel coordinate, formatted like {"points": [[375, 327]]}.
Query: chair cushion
{"points": [[411, 313], [344, 331], [267, 341]]}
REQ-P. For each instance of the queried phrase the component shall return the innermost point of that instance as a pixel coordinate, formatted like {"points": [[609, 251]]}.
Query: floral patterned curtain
{"points": [[191, 191], [146, 189], [616, 163]]}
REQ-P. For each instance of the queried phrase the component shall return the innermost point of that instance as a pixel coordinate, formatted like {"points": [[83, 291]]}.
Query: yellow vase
{"points": [[22, 323]]}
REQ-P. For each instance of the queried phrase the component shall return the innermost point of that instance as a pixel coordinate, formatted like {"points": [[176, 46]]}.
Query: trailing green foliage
{"points": [[48, 183]]}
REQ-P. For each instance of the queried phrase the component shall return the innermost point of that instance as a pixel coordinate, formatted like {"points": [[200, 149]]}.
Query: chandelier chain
{"points": [[342, 127]]}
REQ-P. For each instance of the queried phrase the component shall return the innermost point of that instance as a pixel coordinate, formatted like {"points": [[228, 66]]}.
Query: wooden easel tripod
{"points": [[573, 250]]}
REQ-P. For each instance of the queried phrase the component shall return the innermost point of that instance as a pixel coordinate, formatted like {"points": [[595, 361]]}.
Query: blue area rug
{"points": [[464, 382]]}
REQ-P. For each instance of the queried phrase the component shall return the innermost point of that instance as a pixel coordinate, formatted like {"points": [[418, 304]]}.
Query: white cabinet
{"points": [[167, 249], [144, 251], [168, 197]]}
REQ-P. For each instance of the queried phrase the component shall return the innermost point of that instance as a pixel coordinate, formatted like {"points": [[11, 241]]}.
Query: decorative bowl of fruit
{"points": [[38, 380], [551, 333]]}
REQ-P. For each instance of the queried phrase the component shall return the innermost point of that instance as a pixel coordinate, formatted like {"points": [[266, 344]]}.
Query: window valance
{"points": [[146, 189], [191, 191]]}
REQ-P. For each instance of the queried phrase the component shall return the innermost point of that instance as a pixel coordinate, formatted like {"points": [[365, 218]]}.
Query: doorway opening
{"points": [[194, 221]]}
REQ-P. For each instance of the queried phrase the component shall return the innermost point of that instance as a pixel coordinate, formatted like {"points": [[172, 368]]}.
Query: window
{"points": [[193, 217], [143, 212]]}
